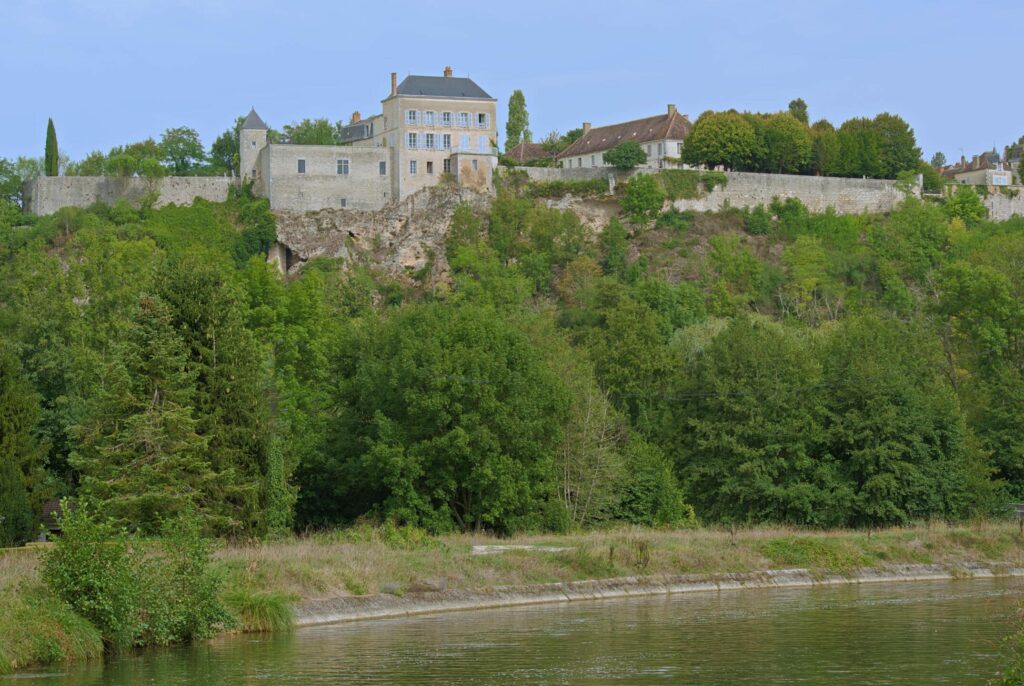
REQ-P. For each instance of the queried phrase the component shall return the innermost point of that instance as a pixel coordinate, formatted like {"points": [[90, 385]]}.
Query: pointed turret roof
{"points": [[253, 121]]}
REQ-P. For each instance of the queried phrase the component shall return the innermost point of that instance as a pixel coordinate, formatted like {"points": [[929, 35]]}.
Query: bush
{"points": [[558, 189], [675, 220], [759, 221], [134, 599], [625, 155], [643, 198]]}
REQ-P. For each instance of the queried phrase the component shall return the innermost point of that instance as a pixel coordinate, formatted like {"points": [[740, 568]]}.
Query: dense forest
{"points": [[736, 367]]}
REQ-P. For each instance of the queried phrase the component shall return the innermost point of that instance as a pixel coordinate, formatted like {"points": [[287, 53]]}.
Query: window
{"points": [[343, 167], [464, 142], [383, 167], [430, 167], [430, 141], [464, 120], [474, 165], [579, 162], [412, 167], [412, 117], [302, 166], [648, 151], [482, 143], [482, 120], [593, 160], [679, 149], [446, 166], [411, 140], [661, 149], [446, 141], [428, 118], [254, 172], [254, 144], [446, 119], [344, 202]]}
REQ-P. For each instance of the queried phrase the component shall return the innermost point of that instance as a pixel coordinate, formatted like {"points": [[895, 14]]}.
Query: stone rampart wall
{"points": [[47, 194]]}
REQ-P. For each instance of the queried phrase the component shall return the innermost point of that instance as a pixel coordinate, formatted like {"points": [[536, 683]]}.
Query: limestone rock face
{"points": [[399, 240]]}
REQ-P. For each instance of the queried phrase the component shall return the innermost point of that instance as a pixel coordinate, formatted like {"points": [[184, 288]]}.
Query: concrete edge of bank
{"points": [[383, 605]]}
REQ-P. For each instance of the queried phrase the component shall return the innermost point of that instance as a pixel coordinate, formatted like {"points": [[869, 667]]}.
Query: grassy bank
{"points": [[263, 580]]}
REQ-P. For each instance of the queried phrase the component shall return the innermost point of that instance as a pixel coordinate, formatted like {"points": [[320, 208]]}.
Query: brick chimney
{"points": [[586, 127], [447, 72], [671, 110], [394, 83], [356, 117]]}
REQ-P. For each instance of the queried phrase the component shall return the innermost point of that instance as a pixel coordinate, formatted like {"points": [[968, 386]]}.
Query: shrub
{"points": [[674, 219], [625, 155], [559, 188], [759, 221], [680, 184], [261, 611], [711, 179], [643, 198]]}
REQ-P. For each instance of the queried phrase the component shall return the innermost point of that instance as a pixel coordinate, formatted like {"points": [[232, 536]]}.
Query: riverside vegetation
{"points": [[672, 370]]}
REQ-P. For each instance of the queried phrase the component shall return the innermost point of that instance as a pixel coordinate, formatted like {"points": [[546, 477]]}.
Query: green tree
{"points": [[51, 160], [824, 148], [798, 110], [224, 150], [625, 155], [643, 198], [721, 139], [938, 160], [965, 204], [897, 148], [311, 132], [787, 144], [859, 150], [182, 150], [518, 124]]}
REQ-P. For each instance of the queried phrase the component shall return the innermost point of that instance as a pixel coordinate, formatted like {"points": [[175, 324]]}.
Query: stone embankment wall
{"points": [[746, 190], [1001, 207], [47, 194]]}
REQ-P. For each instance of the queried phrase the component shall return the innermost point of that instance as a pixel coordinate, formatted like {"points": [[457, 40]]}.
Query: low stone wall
{"points": [[350, 608], [746, 190], [47, 194], [1002, 207]]}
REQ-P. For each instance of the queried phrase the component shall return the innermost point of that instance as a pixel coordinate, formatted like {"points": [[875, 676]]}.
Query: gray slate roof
{"points": [[442, 87], [253, 121]]}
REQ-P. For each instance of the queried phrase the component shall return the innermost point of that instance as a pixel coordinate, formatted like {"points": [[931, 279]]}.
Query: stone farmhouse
{"points": [[430, 127], [660, 136]]}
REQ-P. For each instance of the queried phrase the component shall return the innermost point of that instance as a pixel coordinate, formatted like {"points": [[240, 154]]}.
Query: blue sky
{"points": [[115, 71]]}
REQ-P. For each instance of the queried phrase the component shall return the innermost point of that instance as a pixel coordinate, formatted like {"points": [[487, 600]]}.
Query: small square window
{"points": [[383, 167], [412, 167], [344, 202], [474, 163], [254, 144], [430, 167], [343, 167], [302, 166]]}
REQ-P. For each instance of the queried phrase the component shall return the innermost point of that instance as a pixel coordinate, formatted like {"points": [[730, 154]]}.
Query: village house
{"points": [[430, 127], [661, 137], [986, 169], [528, 152]]}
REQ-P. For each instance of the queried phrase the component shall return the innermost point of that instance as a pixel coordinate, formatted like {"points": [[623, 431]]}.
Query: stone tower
{"points": [[251, 139]]}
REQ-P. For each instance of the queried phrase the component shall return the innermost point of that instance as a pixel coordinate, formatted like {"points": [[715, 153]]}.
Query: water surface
{"points": [[946, 632]]}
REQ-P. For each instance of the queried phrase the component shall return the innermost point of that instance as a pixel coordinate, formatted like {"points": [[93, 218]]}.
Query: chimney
{"points": [[394, 83], [671, 110], [586, 127], [356, 117], [447, 72]]}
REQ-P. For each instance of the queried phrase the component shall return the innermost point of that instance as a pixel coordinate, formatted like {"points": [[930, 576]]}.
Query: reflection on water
{"points": [[911, 633]]}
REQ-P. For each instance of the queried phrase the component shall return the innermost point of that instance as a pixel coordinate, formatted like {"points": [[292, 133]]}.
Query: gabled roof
{"points": [[253, 121], [442, 87], [525, 152], [669, 125]]}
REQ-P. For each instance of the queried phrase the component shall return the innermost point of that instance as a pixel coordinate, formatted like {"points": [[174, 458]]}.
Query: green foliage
{"points": [[759, 221], [625, 155], [312, 132], [21, 453], [824, 148], [720, 139], [560, 188], [182, 150], [261, 611], [518, 123], [787, 144], [965, 205], [50, 159], [642, 198], [798, 110]]}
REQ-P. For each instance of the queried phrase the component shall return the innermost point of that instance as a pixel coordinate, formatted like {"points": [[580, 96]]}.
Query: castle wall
{"points": [[321, 186], [47, 194], [746, 190]]}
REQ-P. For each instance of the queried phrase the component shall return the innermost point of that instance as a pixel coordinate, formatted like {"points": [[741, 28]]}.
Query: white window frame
{"points": [[483, 120], [446, 165], [463, 120], [429, 117], [483, 144], [412, 167], [430, 167], [429, 141], [411, 140], [593, 160], [412, 117], [447, 119], [300, 165], [446, 141], [343, 166]]}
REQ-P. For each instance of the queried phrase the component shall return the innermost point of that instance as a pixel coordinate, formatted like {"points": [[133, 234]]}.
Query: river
{"points": [[936, 632]]}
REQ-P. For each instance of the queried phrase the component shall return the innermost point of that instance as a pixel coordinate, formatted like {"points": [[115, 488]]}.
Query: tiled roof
{"points": [[442, 87], [670, 125], [253, 121], [525, 152]]}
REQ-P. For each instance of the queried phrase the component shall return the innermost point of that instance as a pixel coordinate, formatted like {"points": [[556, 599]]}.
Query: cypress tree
{"points": [[50, 162]]}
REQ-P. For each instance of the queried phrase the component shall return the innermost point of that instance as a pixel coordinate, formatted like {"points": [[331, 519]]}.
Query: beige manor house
{"points": [[429, 126]]}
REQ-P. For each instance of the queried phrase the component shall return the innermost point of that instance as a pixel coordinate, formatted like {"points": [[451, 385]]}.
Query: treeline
{"points": [[786, 143], [770, 365]]}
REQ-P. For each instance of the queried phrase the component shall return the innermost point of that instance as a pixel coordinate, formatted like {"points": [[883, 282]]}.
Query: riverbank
{"points": [[368, 572]]}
